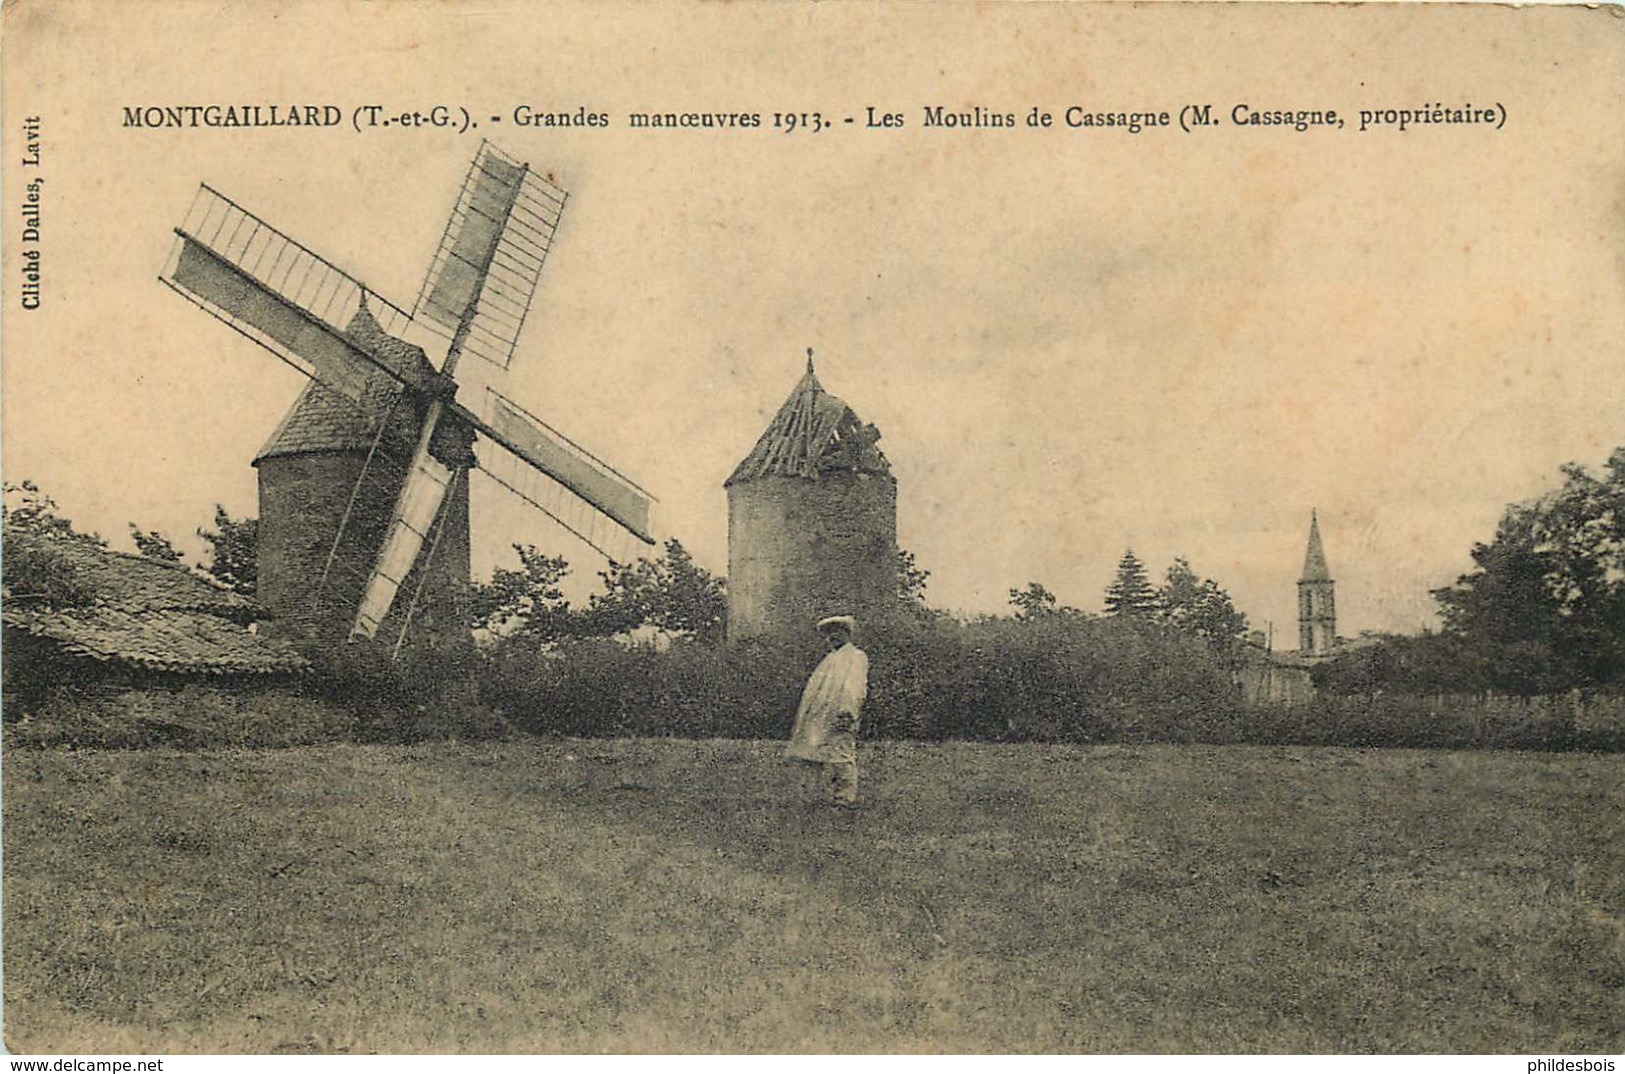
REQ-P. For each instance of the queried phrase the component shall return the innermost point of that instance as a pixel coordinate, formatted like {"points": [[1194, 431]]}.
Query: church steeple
{"points": [[1314, 559], [1317, 601]]}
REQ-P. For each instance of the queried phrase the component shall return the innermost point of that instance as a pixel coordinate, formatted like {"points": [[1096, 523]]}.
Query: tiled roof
{"points": [[144, 612], [136, 583], [813, 433], [322, 420], [158, 640]]}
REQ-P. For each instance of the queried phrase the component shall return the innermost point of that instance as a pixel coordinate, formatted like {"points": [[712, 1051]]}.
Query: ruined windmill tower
{"points": [[1317, 605], [329, 460], [812, 520]]}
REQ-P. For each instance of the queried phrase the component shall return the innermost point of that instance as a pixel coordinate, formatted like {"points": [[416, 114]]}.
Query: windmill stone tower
{"points": [[812, 520], [314, 471], [1317, 604]]}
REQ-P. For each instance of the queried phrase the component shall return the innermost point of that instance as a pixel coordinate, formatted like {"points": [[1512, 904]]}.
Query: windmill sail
{"points": [[278, 293], [490, 257], [456, 297], [415, 514], [564, 508], [572, 466]]}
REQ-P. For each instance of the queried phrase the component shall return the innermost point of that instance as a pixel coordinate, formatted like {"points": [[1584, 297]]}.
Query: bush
{"points": [[600, 688], [1051, 679], [430, 696], [1048, 678], [1562, 722], [1054, 678]]}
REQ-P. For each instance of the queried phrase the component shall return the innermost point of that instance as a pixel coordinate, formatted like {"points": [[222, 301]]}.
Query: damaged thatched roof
{"points": [[120, 608], [813, 433]]}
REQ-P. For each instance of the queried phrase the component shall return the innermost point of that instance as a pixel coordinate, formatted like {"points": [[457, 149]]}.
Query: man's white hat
{"points": [[845, 621]]}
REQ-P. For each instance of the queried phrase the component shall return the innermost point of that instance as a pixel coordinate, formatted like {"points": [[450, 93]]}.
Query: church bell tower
{"points": [[1317, 603]]}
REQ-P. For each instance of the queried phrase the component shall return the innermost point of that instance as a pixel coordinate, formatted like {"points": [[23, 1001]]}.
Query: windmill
{"points": [[359, 554]]}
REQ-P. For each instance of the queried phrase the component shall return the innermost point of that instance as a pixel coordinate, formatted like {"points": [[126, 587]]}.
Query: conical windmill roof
{"points": [[322, 420], [813, 433], [1314, 559]]}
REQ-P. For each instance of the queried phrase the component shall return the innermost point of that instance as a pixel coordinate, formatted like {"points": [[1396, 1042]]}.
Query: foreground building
{"points": [[124, 619]]}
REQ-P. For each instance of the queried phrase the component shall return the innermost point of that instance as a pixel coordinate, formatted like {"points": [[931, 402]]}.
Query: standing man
{"points": [[826, 731]]}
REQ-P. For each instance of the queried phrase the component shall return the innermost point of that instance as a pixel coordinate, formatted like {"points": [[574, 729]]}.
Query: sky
{"points": [[1073, 341]]}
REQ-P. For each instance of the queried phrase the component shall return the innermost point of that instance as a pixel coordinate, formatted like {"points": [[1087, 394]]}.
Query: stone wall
{"points": [[302, 499], [801, 549]]}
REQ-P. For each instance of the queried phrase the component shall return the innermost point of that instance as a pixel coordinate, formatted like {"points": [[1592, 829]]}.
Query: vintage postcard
{"points": [[813, 527]]}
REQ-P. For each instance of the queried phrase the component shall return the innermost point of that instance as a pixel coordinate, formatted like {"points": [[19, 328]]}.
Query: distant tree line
{"points": [[1184, 604], [1542, 611]]}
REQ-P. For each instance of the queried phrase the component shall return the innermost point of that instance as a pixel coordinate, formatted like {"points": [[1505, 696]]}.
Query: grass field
{"points": [[685, 896]]}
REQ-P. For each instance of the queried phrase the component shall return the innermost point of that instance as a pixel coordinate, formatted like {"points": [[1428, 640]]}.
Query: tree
{"points": [[36, 566], [911, 580], [154, 545], [1199, 608], [673, 594], [1034, 602], [1544, 607], [1423, 664], [528, 602], [233, 551], [695, 601], [27, 509], [1130, 595]]}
